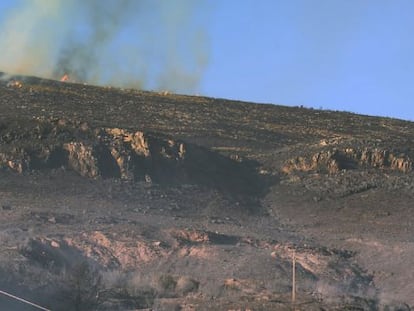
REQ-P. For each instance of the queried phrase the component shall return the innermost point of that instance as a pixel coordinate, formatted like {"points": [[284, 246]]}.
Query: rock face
{"points": [[335, 160], [105, 152], [129, 155], [80, 158]]}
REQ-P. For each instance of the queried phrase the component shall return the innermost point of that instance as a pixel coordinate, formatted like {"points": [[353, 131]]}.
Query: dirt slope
{"points": [[118, 199]]}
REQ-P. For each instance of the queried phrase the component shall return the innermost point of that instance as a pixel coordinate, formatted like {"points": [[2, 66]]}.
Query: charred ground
{"points": [[179, 202]]}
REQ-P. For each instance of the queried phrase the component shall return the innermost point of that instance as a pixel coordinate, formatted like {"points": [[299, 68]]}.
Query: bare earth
{"points": [[116, 199]]}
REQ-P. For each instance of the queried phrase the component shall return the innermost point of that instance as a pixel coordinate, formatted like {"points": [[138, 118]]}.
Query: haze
{"points": [[341, 55]]}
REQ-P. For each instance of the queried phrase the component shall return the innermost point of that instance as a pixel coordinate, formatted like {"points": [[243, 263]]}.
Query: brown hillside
{"points": [[138, 200]]}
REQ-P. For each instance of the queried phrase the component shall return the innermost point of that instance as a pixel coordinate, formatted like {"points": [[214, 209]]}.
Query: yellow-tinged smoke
{"points": [[153, 44]]}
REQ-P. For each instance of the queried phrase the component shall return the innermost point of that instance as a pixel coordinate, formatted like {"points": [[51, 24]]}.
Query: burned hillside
{"points": [[177, 202]]}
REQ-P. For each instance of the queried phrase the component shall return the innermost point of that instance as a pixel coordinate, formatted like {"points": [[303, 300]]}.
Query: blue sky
{"points": [[352, 55]]}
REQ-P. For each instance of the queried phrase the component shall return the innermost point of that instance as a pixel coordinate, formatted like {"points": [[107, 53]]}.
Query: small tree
{"points": [[83, 285]]}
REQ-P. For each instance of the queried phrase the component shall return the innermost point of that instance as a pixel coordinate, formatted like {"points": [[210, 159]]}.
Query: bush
{"points": [[83, 285]]}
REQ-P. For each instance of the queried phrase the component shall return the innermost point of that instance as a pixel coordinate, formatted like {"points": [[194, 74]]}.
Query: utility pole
{"points": [[293, 278]]}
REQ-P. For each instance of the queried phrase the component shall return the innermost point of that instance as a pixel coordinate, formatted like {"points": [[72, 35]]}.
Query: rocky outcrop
{"points": [[99, 152], [381, 158], [131, 155], [133, 152], [81, 158], [123, 259], [333, 161], [321, 161]]}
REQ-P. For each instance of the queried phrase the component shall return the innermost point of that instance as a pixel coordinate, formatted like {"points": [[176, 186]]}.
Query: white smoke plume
{"points": [[152, 44]]}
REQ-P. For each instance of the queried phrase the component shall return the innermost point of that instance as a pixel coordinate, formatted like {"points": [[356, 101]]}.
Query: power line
{"points": [[23, 300]]}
